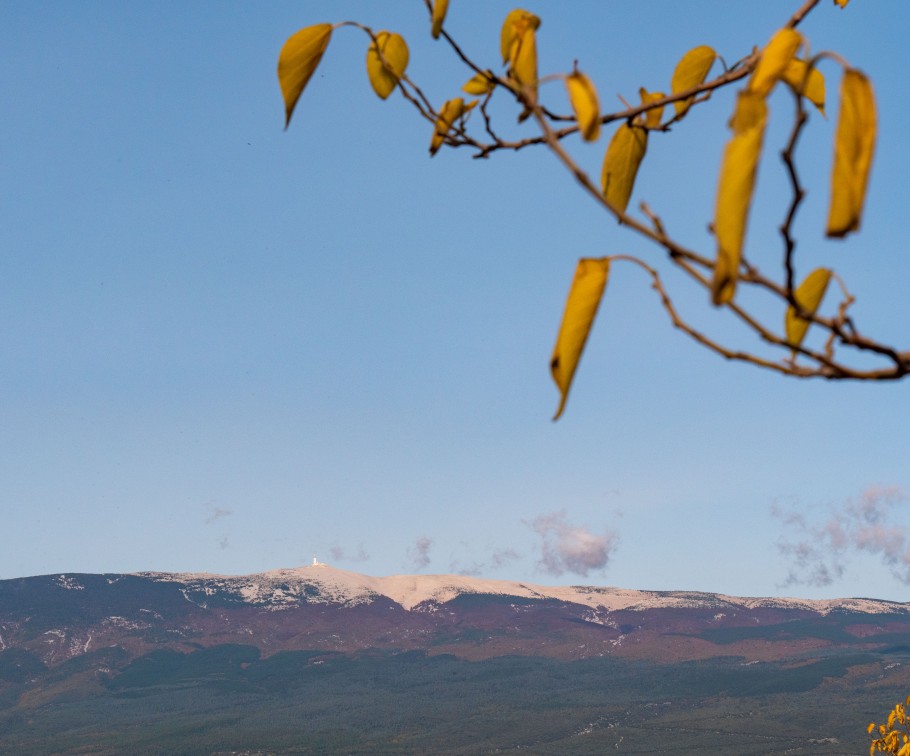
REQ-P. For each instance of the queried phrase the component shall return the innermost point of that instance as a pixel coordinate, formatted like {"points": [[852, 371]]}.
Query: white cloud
{"points": [[870, 523], [571, 548]]}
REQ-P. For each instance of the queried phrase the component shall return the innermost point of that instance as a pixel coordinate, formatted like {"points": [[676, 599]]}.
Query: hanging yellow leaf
{"points": [[297, 61], [440, 7], [624, 155], [515, 24], [652, 117], [774, 60], [523, 61], [841, 3], [583, 98], [734, 191], [809, 294], [691, 71], [854, 145], [387, 59], [812, 87], [450, 112], [479, 84], [581, 306]]}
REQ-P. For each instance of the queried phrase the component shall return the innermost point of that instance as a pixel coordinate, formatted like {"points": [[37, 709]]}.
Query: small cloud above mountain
{"points": [[419, 553], [339, 554], [571, 548]]}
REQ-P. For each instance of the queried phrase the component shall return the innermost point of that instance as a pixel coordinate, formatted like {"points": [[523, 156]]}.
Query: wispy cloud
{"points": [[419, 553], [502, 557], [216, 513], [498, 559], [223, 543], [338, 554], [571, 548], [870, 523]]}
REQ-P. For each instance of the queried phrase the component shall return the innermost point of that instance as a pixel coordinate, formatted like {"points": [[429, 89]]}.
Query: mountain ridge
{"points": [[411, 590]]}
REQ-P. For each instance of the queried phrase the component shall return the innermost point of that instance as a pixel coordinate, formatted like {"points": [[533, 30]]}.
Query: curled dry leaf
{"points": [[440, 8], [450, 112], [734, 191], [387, 59], [809, 82], [620, 167], [854, 146], [585, 294], [809, 294], [691, 71], [775, 59], [297, 61], [583, 98]]}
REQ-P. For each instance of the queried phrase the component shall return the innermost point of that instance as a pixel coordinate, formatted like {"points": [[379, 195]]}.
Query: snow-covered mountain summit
{"points": [[321, 583]]}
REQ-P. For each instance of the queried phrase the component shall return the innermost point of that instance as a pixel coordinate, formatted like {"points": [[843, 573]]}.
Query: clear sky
{"points": [[225, 347]]}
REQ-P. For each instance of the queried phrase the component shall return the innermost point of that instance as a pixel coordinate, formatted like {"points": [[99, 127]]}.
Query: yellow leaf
{"points": [[653, 116], [841, 3], [440, 7], [516, 22], [450, 112], [581, 306], [734, 191], [583, 97], [774, 60], [854, 145], [297, 61], [385, 71], [690, 72], [871, 727], [523, 61], [809, 294], [812, 87], [624, 155], [479, 84]]}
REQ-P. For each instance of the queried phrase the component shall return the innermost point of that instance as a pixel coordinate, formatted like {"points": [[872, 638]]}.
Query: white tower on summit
{"points": [[317, 563]]}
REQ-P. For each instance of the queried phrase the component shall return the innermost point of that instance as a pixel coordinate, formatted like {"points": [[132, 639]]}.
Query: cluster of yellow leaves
{"points": [[854, 145], [387, 60], [891, 739], [630, 141]]}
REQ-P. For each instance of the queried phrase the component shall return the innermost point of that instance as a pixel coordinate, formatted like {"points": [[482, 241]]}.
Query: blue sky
{"points": [[225, 347]]}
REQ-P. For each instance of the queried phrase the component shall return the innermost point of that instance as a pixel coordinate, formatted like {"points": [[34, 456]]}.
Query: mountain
{"points": [[76, 647], [59, 617]]}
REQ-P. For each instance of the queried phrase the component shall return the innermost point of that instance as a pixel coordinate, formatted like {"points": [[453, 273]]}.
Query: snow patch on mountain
{"points": [[320, 583]]}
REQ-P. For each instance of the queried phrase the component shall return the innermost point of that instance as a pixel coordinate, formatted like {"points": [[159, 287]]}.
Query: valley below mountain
{"points": [[320, 660]]}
